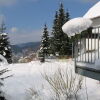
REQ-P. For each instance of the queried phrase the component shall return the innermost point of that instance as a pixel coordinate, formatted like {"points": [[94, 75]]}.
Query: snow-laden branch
{"points": [[3, 60]]}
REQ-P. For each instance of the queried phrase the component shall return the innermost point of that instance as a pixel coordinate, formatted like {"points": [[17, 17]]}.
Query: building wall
{"points": [[96, 22]]}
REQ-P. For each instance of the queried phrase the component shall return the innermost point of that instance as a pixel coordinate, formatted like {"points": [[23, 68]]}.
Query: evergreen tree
{"points": [[5, 49], [60, 39], [45, 41], [44, 49], [67, 16], [55, 25], [54, 39]]}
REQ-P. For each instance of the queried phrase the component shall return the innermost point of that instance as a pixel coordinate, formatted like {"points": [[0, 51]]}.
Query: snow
{"points": [[4, 33], [76, 25], [95, 31], [93, 11], [4, 61], [6, 48], [4, 53], [97, 63], [28, 75]]}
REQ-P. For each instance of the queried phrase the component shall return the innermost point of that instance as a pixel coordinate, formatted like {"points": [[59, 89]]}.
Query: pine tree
{"points": [[45, 41], [55, 26], [67, 16], [54, 39], [60, 39], [44, 49], [5, 49]]}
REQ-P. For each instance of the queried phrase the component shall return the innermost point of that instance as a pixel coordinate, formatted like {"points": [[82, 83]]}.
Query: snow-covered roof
{"points": [[4, 33], [76, 25], [93, 12]]}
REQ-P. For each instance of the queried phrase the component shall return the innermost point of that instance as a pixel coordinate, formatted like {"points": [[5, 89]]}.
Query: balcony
{"points": [[87, 53]]}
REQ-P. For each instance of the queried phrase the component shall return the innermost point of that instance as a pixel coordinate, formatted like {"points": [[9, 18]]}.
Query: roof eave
{"points": [[95, 17]]}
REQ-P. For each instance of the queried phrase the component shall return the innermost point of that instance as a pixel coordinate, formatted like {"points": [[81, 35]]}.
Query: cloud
{"points": [[22, 36], [14, 30]]}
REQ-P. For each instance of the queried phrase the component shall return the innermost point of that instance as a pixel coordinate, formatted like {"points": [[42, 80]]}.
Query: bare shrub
{"points": [[32, 94], [64, 84]]}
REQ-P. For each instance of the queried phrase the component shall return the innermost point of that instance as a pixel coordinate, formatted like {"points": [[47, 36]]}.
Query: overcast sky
{"points": [[25, 19]]}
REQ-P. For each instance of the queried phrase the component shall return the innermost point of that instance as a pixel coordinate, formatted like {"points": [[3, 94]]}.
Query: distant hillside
{"points": [[30, 45]]}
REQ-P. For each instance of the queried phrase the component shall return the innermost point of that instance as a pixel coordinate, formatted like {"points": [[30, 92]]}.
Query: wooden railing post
{"points": [[98, 41]]}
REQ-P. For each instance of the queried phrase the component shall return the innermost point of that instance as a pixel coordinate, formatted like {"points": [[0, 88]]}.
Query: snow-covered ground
{"points": [[29, 75]]}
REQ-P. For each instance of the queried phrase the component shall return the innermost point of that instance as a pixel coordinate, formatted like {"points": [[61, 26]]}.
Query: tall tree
{"points": [[67, 15], [60, 39], [55, 25], [54, 39], [45, 41], [5, 49]]}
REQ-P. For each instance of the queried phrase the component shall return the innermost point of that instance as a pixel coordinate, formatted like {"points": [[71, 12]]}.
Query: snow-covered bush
{"points": [[38, 94], [32, 94], [2, 97], [3, 60], [64, 84], [59, 82]]}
